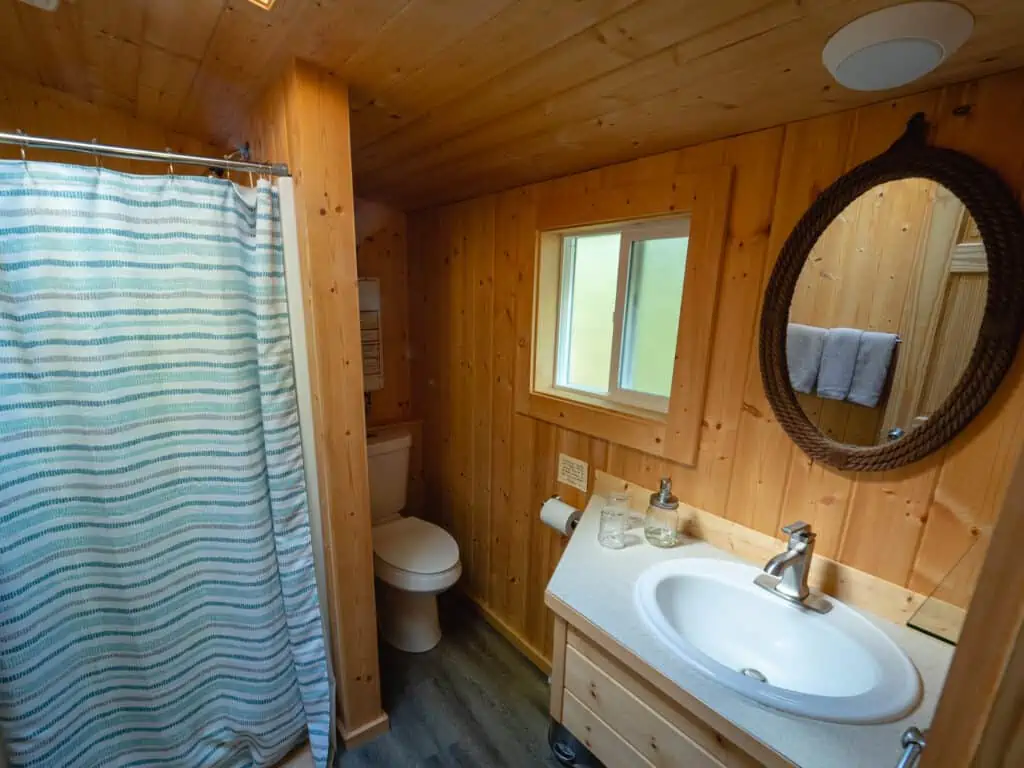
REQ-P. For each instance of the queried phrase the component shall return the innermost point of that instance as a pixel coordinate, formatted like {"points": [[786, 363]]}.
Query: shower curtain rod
{"points": [[108, 150]]}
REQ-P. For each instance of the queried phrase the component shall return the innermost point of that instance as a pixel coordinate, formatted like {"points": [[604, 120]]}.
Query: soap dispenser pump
{"points": [[661, 526]]}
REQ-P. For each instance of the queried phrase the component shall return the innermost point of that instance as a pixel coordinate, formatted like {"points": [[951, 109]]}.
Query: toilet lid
{"points": [[415, 545]]}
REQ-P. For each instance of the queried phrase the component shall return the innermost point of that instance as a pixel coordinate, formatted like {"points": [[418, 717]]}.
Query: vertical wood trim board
{"points": [[909, 526], [303, 120]]}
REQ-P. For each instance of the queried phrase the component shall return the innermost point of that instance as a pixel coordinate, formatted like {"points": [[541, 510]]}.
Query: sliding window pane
{"points": [[589, 304], [653, 299]]}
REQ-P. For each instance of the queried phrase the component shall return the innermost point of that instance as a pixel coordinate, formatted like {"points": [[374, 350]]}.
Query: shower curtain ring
{"points": [[22, 146], [170, 163], [95, 154]]}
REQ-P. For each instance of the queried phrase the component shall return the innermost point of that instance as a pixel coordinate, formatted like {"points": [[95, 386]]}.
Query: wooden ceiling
{"points": [[456, 97]]}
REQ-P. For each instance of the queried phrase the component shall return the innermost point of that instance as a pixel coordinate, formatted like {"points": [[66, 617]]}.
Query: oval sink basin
{"points": [[836, 666]]}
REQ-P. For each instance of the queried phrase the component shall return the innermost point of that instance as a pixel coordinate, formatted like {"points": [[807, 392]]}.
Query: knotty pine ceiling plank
{"points": [[453, 97], [55, 43], [768, 83], [112, 35], [164, 82], [637, 32], [715, 33], [121, 19], [247, 48], [112, 67], [420, 31], [692, 62], [15, 53], [522, 30], [182, 27], [337, 29]]}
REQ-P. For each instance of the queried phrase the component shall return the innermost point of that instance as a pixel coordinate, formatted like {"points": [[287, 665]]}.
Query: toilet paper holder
{"points": [[556, 513], [575, 517]]}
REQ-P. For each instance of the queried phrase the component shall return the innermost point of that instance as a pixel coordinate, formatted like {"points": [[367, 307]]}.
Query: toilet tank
{"points": [[388, 456]]}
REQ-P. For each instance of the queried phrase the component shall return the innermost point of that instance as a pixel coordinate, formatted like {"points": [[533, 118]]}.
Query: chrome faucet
{"points": [[785, 574]]}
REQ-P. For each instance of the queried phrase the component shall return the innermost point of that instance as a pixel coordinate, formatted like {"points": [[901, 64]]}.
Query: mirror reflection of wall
{"points": [[886, 312]]}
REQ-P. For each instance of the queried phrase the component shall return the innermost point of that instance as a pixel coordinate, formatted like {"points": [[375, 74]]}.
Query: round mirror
{"points": [[886, 312], [894, 309]]}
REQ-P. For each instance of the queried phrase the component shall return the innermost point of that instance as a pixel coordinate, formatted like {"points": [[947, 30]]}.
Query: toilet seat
{"points": [[407, 581], [416, 556]]}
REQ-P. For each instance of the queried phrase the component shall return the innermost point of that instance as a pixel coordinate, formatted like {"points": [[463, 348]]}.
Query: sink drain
{"points": [[754, 674]]}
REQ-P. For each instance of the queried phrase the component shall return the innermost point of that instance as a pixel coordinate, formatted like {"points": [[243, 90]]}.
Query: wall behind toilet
{"points": [[487, 468], [381, 253]]}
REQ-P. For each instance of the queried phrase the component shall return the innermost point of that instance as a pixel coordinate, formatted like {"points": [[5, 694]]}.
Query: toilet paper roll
{"points": [[559, 515]]}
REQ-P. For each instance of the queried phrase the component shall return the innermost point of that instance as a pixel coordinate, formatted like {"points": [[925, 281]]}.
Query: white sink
{"points": [[836, 666]]}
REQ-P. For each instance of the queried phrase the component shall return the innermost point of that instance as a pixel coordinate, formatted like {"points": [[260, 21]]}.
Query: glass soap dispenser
{"points": [[661, 526]]}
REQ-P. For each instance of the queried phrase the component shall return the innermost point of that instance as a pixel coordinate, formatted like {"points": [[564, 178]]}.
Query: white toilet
{"points": [[413, 560]]}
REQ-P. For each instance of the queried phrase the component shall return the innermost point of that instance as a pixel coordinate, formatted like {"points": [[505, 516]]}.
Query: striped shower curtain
{"points": [[158, 603]]}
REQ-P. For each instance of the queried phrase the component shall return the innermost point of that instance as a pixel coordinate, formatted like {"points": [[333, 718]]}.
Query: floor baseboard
{"points": [[536, 657], [364, 733]]}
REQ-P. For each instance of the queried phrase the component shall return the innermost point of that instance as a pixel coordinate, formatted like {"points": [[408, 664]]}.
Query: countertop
{"points": [[598, 584]]}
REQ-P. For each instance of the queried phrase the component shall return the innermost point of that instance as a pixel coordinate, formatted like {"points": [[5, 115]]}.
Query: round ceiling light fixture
{"points": [[896, 45]]}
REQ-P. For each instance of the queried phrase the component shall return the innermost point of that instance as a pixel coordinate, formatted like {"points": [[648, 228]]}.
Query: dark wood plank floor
{"points": [[473, 701]]}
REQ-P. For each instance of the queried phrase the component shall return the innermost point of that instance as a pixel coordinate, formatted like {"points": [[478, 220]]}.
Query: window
{"points": [[620, 291], [609, 307]]}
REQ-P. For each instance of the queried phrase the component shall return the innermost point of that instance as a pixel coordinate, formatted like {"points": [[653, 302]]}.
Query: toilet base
{"points": [[408, 620]]}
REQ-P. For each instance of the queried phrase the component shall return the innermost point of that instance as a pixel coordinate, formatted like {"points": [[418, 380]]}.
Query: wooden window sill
{"points": [[574, 397], [621, 424]]}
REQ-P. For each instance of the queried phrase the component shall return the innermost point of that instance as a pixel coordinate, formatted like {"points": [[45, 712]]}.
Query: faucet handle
{"points": [[797, 528]]}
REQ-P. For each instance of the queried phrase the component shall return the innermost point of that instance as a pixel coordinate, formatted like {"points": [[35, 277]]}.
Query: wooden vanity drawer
{"points": [[612, 749], [659, 730], [661, 743]]}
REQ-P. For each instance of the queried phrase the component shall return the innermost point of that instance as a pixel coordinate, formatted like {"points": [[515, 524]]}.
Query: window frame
{"points": [[630, 233], [598, 200]]}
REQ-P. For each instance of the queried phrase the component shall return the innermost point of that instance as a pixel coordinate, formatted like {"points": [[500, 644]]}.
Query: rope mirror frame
{"points": [[1001, 225]]}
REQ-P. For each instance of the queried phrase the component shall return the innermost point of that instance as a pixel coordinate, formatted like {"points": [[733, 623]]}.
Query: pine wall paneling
{"points": [[908, 526], [290, 125], [381, 253], [42, 111]]}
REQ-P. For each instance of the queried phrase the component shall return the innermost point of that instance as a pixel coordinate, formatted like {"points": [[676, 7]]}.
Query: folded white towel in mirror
{"points": [[870, 372], [838, 359], [804, 344]]}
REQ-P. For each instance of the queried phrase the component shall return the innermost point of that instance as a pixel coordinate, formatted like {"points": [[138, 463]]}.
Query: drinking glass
{"points": [[612, 533], [634, 517]]}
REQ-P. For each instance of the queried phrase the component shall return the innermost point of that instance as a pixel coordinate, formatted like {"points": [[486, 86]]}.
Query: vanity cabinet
{"points": [[625, 714]]}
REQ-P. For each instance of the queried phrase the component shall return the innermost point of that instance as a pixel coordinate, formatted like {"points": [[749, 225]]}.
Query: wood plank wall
{"points": [[43, 111], [303, 120], [381, 253], [487, 469]]}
